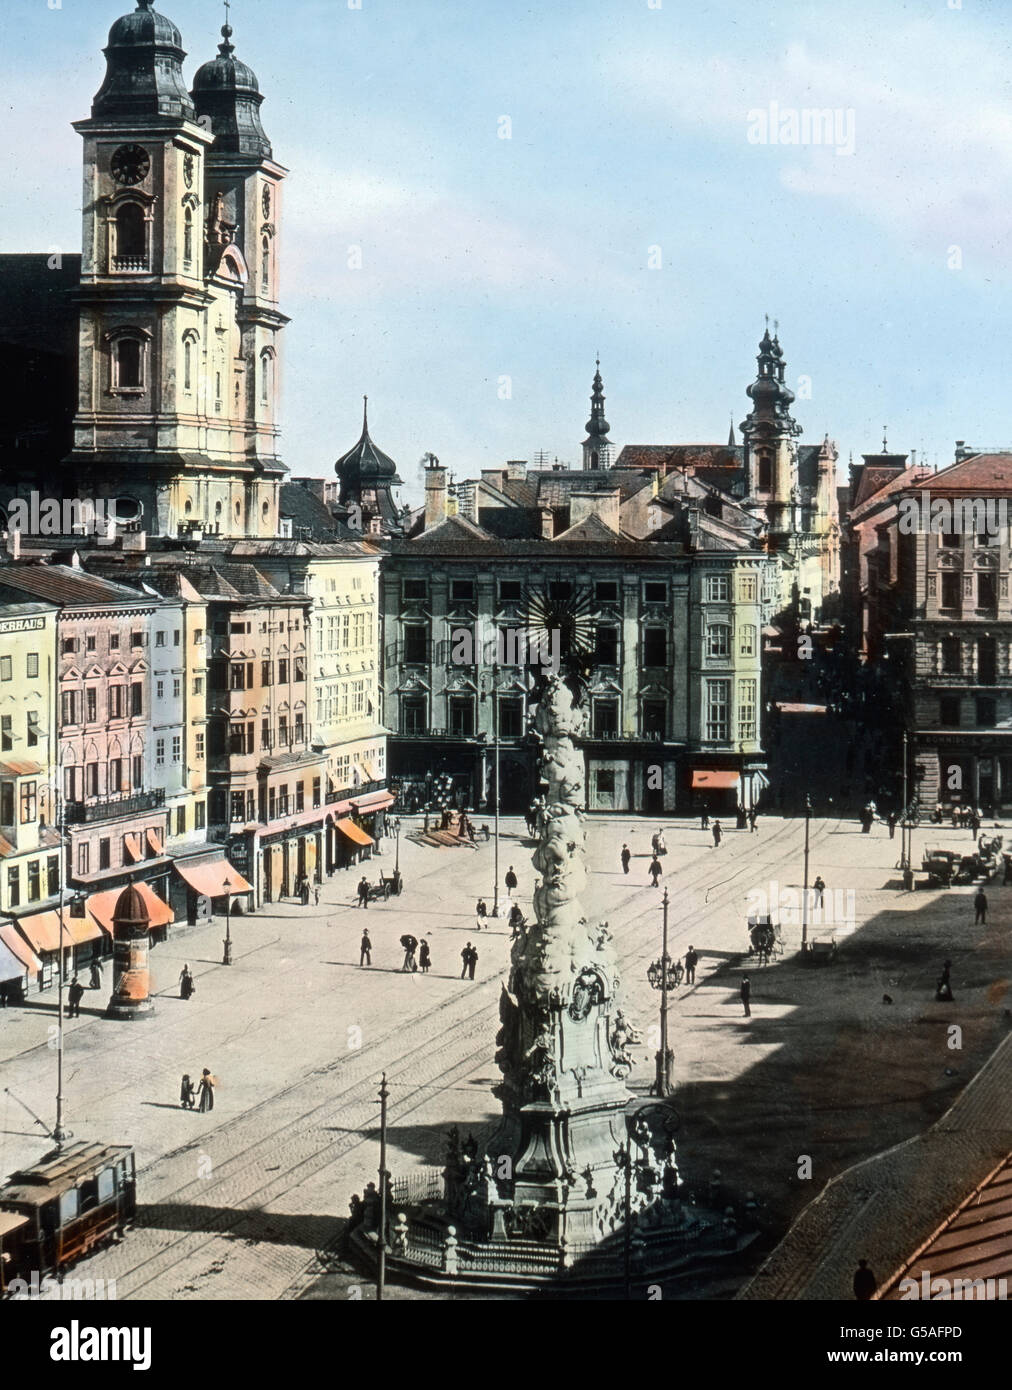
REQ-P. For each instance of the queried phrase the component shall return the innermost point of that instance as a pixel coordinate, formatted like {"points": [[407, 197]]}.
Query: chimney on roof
{"points": [[593, 502], [495, 477], [435, 492], [547, 523], [516, 470]]}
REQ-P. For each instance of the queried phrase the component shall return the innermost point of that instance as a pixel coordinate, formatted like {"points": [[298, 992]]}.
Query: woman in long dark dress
{"points": [[206, 1101], [424, 959], [186, 1093]]}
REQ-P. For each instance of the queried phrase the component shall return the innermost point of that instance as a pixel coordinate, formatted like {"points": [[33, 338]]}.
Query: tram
{"points": [[64, 1207]]}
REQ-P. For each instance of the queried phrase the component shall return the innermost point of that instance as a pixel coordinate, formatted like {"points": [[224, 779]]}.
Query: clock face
{"points": [[130, 164], [188, 170], [267, 201]]}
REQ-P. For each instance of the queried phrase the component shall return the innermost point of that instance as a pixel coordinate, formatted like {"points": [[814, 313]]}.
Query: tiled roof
{"points": [[981, 474], [910, 477], [667, 456], [68, 587]]}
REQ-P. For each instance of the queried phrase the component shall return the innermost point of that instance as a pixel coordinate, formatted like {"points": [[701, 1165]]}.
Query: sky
{"points": [[639, 209]]}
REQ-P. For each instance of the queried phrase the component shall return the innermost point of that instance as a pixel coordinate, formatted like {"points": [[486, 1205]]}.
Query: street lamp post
{"points": [[661, 975], [804, 894], [60, 1133], [495, 741], [227, 885]]}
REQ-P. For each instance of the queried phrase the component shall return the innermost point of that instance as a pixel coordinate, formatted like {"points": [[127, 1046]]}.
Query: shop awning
{"points": [[154, 841], [793, 707], [20, 949], [132, 844], [10, 967], [209, 879], [82, 929], [103, 905], [374, 801], [356, 835], [715, 781], [43, 930]]}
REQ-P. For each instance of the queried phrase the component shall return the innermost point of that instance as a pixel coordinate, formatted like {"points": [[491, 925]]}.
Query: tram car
{"points": [[62, 1208]]}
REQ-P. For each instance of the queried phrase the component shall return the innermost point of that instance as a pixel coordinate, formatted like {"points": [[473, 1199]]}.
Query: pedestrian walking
{"points": [[516, 921], [410, 944], [865, 1282], [753, 821], [186, 985], [206, 1088], [316, 895], [511, 881], [625, 856], [305, 891], [480, 915], [365, 950], [746, 995], [655, 871], [691, 960], [943, 990], [469, 957], [75, 994], [891, 822], [717, 833], [818, 888], [363, 892], [655, 842], [186, 1099], [424, 959], [980, 908], [704, 821], [95, 979]]}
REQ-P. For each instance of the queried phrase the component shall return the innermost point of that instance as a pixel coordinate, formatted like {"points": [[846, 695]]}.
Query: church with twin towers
{"points": [[178, 300]]}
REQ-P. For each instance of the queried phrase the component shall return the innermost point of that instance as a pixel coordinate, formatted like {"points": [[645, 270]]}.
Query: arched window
{"points": [[238, 511], [765, 472], [265, 269], [188, 365], [266, 509], [217, 509], [265, 378], [129, 363], [131, 238], [188, 236]]}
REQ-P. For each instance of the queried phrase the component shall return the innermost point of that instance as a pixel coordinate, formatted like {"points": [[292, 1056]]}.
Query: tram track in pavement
{"points": [[316, 1144]]}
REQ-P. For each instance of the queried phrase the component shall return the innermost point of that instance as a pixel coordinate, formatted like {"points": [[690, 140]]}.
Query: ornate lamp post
{"points": [[494, 692], [661, 975], [804, 894], [226, 883]]}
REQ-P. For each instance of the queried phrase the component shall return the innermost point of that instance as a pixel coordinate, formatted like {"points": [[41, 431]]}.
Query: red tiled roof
{"points": [[981, 474]]}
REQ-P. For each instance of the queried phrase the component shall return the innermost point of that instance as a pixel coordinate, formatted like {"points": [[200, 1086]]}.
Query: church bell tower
{"points": [[179, 316]]}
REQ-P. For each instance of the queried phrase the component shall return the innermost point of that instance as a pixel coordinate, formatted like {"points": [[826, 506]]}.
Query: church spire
{"points": [[597, 447]]}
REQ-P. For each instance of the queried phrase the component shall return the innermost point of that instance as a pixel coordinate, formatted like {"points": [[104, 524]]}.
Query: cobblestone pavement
{"points": [[236, 1204]]}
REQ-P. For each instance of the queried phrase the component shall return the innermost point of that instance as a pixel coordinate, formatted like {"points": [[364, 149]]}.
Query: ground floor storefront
{"points": [[659, 780], [954, 770]]}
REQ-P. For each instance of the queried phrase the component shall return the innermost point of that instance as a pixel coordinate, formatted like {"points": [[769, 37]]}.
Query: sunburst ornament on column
{"points": [[563, 624]]}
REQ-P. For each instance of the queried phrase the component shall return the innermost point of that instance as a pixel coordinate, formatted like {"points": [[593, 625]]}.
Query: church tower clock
{"points": [[179, 317]]}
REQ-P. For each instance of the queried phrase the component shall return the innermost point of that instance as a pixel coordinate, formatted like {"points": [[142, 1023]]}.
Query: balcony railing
{"points": [[130, 263], [350, 793], [83, 813]]}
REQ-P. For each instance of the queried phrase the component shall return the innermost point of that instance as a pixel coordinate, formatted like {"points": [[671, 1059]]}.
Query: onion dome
{"points": [[365, 464], [597, 425], [144, 68], [130, 907], [227, 91]]}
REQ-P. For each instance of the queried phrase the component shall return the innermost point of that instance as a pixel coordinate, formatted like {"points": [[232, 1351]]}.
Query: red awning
{"points": [[356, 835], [154, 841], [103, 905], [19, 947], [792, 707], [715, 781], [210, 879], [375, 801], [43, 930], [132, 844]]}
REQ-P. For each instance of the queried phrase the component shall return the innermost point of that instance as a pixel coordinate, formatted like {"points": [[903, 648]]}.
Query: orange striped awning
{"points": [[715, 780], [354, 833], [43, 930], [210, 879], [154, 840], [133, 847]]}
